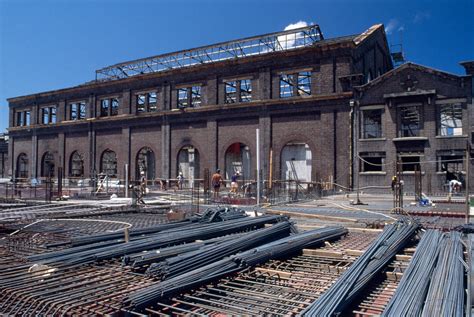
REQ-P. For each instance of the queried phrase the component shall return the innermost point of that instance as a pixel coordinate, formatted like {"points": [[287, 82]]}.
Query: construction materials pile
{"points": [[202, 274], [220, 257]]}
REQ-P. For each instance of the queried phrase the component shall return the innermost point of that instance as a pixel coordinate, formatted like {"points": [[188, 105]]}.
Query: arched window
{"points": [[296, 161], [188, 163], [145, 164], [22, 166], [237, 159], [47, 165], [76, 165], [108, 163]]}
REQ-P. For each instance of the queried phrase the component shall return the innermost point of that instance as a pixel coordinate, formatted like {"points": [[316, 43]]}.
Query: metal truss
{"points": [[257, 45]]}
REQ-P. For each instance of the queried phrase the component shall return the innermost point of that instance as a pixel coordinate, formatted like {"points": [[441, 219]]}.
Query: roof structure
{"points": [[257, 45], [407, 65]]}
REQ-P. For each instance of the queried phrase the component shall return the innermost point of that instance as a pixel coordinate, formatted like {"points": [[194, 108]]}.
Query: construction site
{"points": [[318, 257], [284, 174]]}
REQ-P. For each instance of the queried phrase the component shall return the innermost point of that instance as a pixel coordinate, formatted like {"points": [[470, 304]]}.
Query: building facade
{"points": [[200, 109], [4, 156], [419, 118]]}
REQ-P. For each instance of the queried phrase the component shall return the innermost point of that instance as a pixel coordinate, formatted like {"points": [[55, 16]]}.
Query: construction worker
{"points": [[180, 180], [394, 182], [234, 186], [216, 181]]}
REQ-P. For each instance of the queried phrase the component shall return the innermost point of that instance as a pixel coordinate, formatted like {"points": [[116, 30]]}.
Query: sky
{"points": [[47, 45]]}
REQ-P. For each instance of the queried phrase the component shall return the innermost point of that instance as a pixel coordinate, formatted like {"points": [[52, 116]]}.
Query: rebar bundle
{"points": [[446, 293], [111, 249], [393, 238], [221, 214], [207, 254], [411, 292], [277, 249]]}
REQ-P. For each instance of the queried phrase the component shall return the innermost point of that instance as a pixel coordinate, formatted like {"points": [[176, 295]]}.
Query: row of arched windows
{"points": [[295, 163], [108, 164]]}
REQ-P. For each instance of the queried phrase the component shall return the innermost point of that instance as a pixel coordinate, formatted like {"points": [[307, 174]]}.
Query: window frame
{"points": [[80, 110], [114, 163], [297, 83], [111, 108], [364, 134], [189, 96], [144, 103], [404, 164], [48, 114], [453, 112], [404, 128], [231, 95], [367, 156], [74, 159], [242, 90]]}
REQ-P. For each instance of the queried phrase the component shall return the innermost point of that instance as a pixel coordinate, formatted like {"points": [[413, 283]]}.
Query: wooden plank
{"points": [[325, 253], [353, 252], [402, 257]]}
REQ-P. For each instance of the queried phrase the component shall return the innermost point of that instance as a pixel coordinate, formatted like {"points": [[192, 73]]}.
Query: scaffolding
{"points": [[257, 45]]}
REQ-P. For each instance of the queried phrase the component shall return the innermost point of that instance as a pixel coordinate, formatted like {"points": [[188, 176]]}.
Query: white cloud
{"points": [[401, 28], [291, 40], [391, 26], [421, 16], [299, 24]]}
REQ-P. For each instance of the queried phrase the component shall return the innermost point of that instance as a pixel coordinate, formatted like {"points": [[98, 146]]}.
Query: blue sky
{"points": [[47, 45]]}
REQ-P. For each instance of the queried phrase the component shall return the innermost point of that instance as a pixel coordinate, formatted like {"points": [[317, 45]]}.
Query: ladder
{"points": [[102, 181]]}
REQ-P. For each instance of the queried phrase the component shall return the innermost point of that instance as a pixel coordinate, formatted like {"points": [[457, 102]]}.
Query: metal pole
{"points": [[258, 165], [126, 181], [468, 161]]}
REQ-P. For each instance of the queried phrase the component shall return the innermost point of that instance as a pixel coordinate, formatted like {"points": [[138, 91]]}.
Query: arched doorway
{"points": [[145, 163], [76, 165], [47, 165], [237, 158], [108, 163], [296, 161], [22, 166], [188, 163]]}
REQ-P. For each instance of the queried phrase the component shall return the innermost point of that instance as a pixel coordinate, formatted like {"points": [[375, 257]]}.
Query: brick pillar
{"points": [[62, 152], [264, 90], [34, 115], [11, 157], [265, 126], [165, 149], [91, 107], [11, 117], [92, 153], [213, 153], [211, 92], [61, 112], [34, 155], [165, 99], [125, 107], [126, 154]]}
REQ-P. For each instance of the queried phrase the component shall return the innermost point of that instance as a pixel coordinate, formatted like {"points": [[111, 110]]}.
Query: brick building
{"points": [[4, 156], [419, 117], [200, 108]]}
